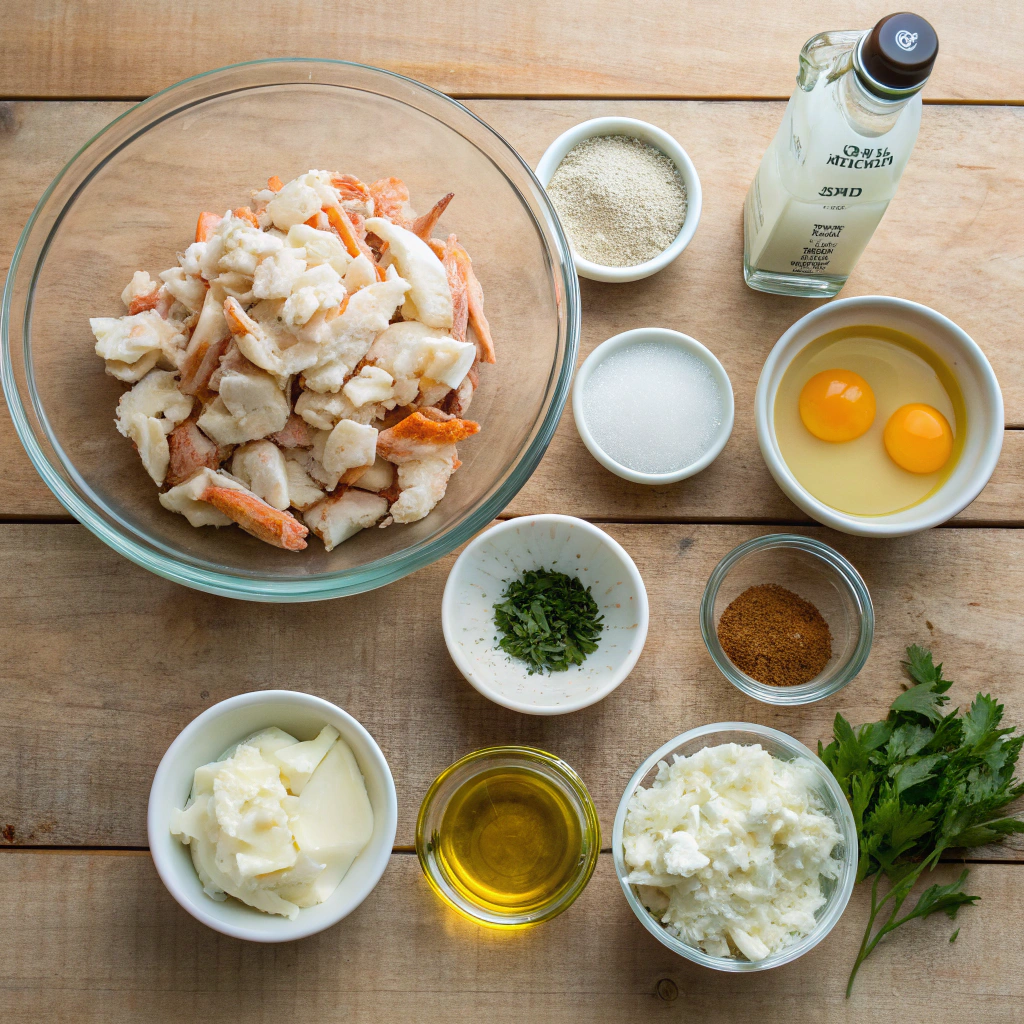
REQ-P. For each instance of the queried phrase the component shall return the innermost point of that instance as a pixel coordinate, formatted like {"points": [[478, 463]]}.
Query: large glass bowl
{"points": [[129, 200], [832, 801]]}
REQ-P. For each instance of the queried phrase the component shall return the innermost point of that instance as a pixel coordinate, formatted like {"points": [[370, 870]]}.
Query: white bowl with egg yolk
{"points": [[204, 740], [982, 399]]}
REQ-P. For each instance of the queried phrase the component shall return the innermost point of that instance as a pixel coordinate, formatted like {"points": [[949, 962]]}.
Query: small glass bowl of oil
{"points": [[508, 836]]}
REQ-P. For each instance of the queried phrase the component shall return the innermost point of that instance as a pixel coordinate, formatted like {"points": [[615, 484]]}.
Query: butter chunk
{"points": [[298, 761]]}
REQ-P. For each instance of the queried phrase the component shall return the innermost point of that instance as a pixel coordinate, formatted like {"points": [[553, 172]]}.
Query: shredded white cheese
{"points": [[728, 849]]}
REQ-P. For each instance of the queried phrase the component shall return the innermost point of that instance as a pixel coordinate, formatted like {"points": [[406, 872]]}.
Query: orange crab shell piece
{"points": [[205, 225], [263, 521]]}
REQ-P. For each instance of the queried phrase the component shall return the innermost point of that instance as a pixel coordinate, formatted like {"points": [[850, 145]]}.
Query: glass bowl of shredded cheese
{"points": [[735, 847], [129, 200]]}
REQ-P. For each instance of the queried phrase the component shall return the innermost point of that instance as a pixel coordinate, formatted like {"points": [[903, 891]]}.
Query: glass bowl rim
{"points": [[836, 904], [327, 585], [590, 827], [805, 693]]}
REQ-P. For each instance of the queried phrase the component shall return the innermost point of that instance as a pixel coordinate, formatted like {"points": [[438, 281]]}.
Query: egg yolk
{"points": [[837, 405], [918, 438]]}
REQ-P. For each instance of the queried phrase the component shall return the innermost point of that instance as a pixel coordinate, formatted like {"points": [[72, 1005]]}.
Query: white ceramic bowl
{"points": [[575, 547], [204, 740], [638, 336], [982, 398], [660, 140], [836, 891]]}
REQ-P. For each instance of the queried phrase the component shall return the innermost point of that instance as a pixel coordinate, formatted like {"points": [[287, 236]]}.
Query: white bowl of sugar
{"points": [[627, 195], [653, 406]]}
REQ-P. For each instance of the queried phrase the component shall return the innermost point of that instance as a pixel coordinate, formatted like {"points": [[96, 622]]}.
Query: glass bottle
{"points": [[835, 162]]}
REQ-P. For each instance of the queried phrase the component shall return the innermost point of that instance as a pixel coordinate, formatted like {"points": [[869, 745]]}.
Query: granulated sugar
{"points": [[653, 408], [621, 200]]}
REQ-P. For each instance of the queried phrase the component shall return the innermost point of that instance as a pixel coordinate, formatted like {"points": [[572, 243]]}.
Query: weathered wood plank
{"points": [[97, 938], [103, 664], [951, 239], [106, 48]]}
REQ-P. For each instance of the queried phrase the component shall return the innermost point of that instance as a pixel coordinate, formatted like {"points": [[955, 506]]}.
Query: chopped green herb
{"points": [[549, 620], [920, 782]]}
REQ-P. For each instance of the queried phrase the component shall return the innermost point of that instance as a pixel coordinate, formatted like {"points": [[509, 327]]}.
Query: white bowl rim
{"points": [[156, 820], [665, 336], [657, 137], [877, 526], [463, 664], [848, 828]]}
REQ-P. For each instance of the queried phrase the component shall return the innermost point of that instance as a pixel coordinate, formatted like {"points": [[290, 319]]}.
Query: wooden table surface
{"points": [[102, 664]]}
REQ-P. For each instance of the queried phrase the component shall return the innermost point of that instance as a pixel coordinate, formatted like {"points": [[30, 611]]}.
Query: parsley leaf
{"points": [[549, 620], [920, 782]]}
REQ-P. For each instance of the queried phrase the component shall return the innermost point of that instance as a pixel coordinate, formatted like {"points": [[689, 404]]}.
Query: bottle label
{"points": [[861, 158]]}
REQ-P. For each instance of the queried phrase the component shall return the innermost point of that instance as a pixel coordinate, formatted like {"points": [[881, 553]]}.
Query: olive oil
{"points": [[510, 840]]}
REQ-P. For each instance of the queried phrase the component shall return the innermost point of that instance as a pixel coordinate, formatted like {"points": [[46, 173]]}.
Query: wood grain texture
{"points": [[122, 48], [104, 664], [96, 938], [952, 239]]}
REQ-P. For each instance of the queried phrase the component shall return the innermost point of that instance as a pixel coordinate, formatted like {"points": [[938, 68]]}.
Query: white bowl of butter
{"points": [[330, 796]]}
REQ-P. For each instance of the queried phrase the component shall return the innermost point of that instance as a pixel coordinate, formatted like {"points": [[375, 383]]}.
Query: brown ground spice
{"points": [[775, 636]]}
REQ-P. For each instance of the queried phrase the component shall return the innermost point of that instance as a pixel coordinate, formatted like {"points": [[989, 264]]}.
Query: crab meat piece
{"points": [[128, 339], [238, 286], [132, 372], [262, 346], [190, 450], [249, 406], [350, 335], [294, 434], [423, 435], [148, 413], [318, 288], [186, 498], [311, 460], [446, 253], [350, 445], [256, 517], [412, 350], [475, 296], [261, 467], [276, 276], [208, 343], [359, 274], [430, 298], [371, 384], [343, 515], [303, 490], [319, 247], [391, 199], [458, 400], [294, 203], [422, 483], [189, 291], [244, 245], [325, 411], [432, 392], [140, 286], [379, 477]]}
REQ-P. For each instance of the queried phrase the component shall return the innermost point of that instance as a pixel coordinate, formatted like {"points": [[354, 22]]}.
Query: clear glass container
{"points": [[818, 574], [836, 890], [129, 200], [827, 176], [452, 779]]}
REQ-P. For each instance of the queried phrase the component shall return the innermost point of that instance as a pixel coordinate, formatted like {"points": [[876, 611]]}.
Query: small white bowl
{"points": [[635, 337], [652, 136], [966, 361], [502, 553], [204, 740]]}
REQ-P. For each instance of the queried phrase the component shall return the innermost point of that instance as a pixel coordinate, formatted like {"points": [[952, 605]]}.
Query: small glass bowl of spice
{"points": [[627, 195], [787, 619]]}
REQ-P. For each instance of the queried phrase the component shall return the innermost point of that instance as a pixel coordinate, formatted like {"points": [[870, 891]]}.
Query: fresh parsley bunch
{"points": [[549, 620], [921, 782]]}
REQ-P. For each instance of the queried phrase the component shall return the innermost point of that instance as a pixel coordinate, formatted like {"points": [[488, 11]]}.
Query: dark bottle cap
{"points": [[898, 54]]}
